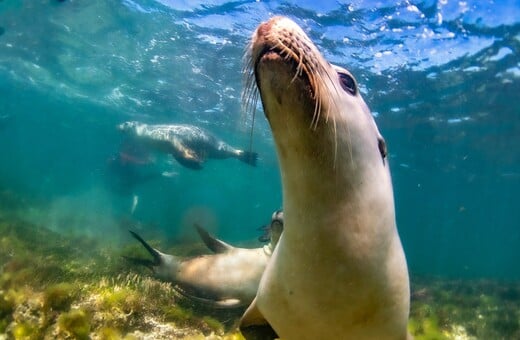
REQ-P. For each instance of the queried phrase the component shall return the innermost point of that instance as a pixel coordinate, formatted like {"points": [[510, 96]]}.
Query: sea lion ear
{"points": [[254, 326], [381, 144]]}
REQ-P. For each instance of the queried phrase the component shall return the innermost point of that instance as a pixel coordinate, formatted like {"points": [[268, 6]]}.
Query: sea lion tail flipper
{"points": [[214, 244], [249, 157], [157, 259], [140, 262], [254, 326]]}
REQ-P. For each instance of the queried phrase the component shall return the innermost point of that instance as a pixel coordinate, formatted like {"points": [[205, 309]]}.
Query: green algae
{"points": [[472, 309], [108, 333], [177, 314], [75, 323], [59, 296], [54, 286], [213, 324], [25, 330], [426, 329], [6, 304]]}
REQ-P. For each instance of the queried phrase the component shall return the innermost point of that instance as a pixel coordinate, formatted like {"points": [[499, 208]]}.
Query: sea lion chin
{"points": [[339, 270]]}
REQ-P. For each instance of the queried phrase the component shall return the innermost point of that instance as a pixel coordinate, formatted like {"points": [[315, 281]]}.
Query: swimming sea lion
{"points": [[227, 279], [189, 145], [339, 270]]}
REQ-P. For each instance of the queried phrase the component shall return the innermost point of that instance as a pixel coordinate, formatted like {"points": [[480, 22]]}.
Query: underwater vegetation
{"points": [[69, 287], [469, 309], [52, 286]]}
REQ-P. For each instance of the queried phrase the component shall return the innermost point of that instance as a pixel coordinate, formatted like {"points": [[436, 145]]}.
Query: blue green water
{"points": [[441, 77]]}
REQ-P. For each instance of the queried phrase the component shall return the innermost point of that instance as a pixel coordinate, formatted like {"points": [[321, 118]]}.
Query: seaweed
{"points": [[465, 309], [75, 323], [53, 285]]}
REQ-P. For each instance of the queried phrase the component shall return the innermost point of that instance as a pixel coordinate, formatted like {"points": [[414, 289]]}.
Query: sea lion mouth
{"points": [[280, 45], [294, 65], [273, 44], [272, 53]]}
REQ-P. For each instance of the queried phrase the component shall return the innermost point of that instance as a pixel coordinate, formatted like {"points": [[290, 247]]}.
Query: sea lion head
{"points": [[131, 128], [314, 108]]}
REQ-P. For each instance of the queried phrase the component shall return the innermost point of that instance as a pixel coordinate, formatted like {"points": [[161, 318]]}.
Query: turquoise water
{"points": [[441, 77]]}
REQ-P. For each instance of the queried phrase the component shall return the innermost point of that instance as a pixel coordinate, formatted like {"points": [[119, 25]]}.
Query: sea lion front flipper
{"points": [[214, 244], [206, 301], [254, 326], [186, 156]]}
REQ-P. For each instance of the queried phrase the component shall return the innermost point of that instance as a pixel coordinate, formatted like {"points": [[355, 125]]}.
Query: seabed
{"points": [[74, 287]]}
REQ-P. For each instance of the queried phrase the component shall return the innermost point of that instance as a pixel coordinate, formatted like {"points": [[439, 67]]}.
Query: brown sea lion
{"points": [[339, 270]]}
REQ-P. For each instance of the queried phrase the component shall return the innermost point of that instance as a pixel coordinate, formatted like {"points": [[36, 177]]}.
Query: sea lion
{"points": [[190, 145], [339, 270], [124, 173], [227, 279]]}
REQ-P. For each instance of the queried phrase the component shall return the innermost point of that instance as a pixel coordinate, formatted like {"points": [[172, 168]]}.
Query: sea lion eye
{"points": [[348, 83]]}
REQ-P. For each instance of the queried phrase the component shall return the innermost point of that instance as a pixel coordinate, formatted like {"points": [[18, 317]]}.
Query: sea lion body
{"points": [[339, 270], [228, 278], [190, 145]]}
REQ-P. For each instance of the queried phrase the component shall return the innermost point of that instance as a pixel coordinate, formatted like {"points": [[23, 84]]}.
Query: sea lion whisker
{"points": [[349, 136], [290, 54], [283, 48], [316, 85], [301, 65], [317, 111], [251, 130], [335, 141], [250, 98], [250, 93], [334, 105]]}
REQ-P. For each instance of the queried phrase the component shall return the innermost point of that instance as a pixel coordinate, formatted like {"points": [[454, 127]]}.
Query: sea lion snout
{"points": [[127, 126]]}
